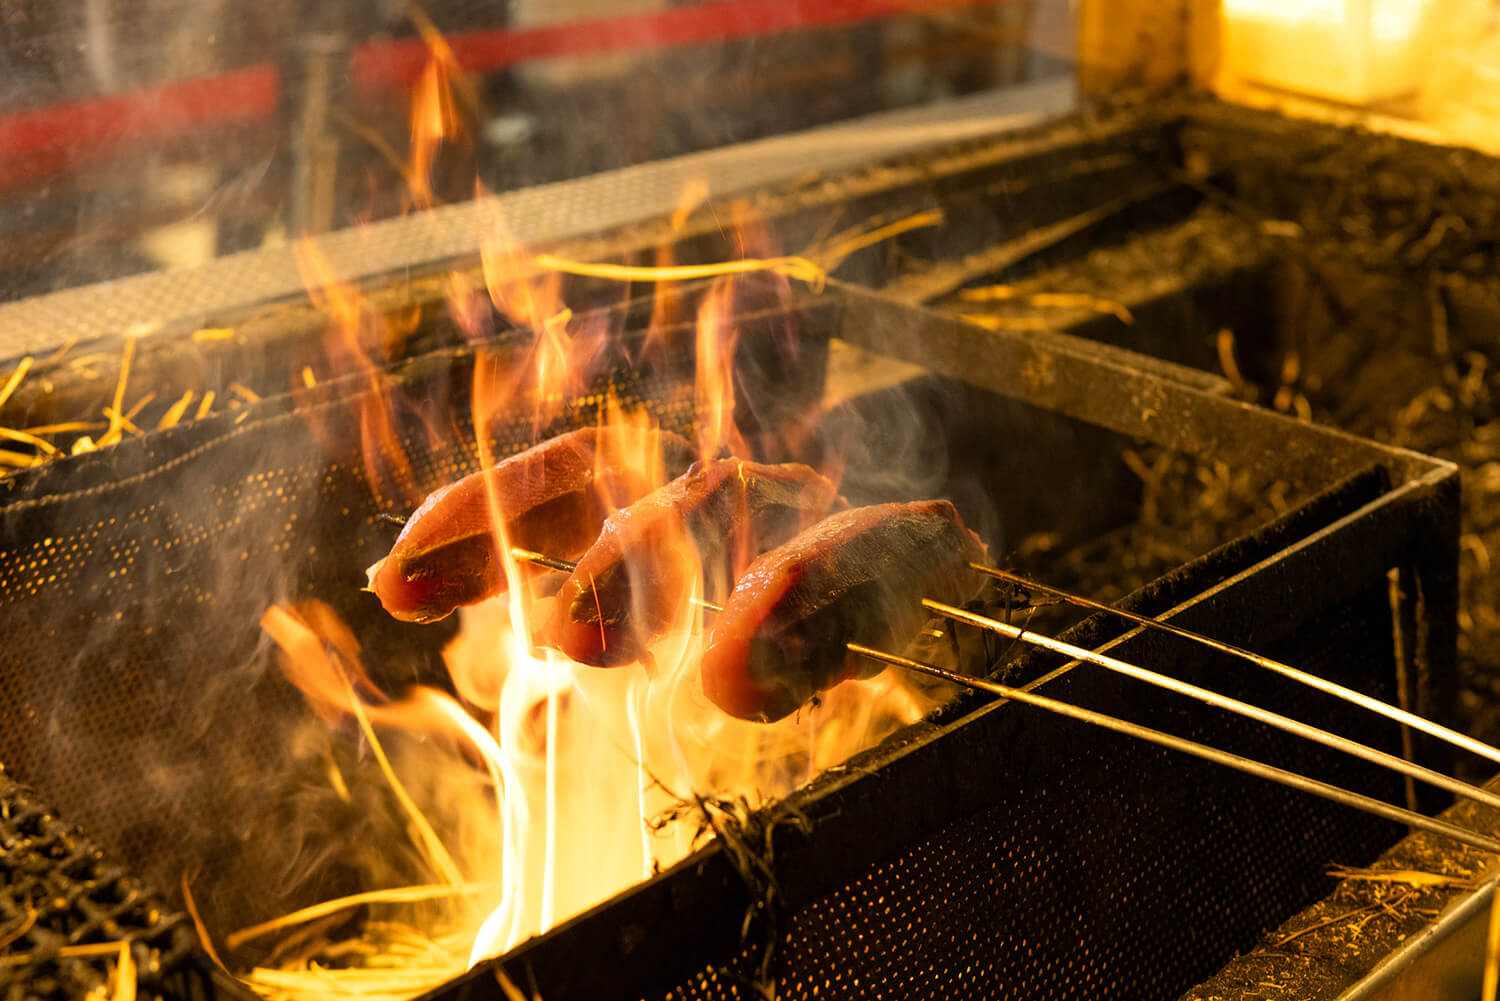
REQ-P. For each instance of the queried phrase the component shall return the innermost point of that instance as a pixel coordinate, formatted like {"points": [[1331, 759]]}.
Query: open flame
{"points": [[588, 768], [713, 387], [584, 771]]}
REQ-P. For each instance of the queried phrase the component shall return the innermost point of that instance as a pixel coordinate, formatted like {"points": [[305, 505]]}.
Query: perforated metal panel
{"points": [[1108, 869]]}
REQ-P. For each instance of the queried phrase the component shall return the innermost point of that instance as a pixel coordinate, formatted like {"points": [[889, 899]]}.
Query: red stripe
{"points": [[174, 109], [398, 64], [47, 140]]}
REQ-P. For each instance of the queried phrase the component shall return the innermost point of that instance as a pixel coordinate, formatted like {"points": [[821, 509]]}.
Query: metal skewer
{"points": [[1374, 705], [551, 563], [1239, 708], [1225, 758], [1240, 764], [563, 566]]}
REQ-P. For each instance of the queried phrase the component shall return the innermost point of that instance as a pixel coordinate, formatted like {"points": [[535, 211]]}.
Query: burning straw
{"points": [[119, 420]]}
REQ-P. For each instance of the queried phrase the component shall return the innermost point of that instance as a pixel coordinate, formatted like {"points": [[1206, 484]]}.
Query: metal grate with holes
{"points": [[63, 897]]}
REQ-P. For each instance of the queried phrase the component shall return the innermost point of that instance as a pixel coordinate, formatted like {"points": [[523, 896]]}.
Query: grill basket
{"points": [[986, 850]]}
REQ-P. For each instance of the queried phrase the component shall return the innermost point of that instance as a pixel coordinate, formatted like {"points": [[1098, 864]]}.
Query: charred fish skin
{"points": [[633, 582], [553, 496], [859, 576]]}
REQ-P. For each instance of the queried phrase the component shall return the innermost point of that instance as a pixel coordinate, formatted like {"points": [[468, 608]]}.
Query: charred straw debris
{"points": [[746, 835]]}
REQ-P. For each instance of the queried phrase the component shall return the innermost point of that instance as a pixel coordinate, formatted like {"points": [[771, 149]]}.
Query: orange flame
{"points": [[349, 350], [666, 303], [713, 387], [563, 352], [620, 449], [433, 116], [431, 122]]}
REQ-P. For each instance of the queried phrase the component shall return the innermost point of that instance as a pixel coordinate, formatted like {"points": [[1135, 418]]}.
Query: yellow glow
{"points": [[1355, 51], [1393, 22], [1295, 12], [1388, 21]]}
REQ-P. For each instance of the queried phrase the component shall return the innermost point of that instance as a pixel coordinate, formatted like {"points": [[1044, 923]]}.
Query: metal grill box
{"points": [[984, 850]]}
